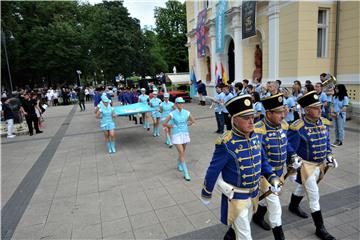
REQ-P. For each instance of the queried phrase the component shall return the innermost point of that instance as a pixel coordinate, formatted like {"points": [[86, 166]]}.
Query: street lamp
{"points": [[6, 55], [79, 73]]}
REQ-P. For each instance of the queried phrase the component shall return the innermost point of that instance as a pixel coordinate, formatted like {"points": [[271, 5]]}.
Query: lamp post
{"points": [[79, 73], [6, 55]]}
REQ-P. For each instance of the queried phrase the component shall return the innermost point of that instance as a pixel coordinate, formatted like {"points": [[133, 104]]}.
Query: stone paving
{"points": [[136, 193]]}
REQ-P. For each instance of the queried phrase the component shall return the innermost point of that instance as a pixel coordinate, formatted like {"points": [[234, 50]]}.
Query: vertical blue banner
{"points": [[220, 25], [200, 34]]}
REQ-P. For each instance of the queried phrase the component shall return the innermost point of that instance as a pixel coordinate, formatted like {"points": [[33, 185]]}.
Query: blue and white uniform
{"points": [[155, 104], [106, 122], [143, 98], [180, 130], [166, 110]]}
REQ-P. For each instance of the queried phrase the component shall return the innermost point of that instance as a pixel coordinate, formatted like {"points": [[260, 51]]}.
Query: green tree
{"points": [[171, 30]]}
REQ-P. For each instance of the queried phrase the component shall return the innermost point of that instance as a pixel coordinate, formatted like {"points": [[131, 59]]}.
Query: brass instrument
{"points": [[329, 83]]}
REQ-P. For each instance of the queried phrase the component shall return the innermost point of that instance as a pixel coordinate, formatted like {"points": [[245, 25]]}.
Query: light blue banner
{"points": [[220, 25], [132, 109]]}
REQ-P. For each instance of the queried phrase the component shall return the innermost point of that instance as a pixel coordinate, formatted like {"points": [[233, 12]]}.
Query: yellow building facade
{"points": [[299, 40]]}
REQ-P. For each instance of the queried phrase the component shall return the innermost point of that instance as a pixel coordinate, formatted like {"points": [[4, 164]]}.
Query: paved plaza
{"points": [[62, 184]]}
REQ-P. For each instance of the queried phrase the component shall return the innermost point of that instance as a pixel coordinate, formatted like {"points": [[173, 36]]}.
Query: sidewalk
{"points": [[62, 184]]}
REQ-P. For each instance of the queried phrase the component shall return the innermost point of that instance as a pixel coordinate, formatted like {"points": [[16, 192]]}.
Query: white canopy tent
{"points": [[178, 78]]}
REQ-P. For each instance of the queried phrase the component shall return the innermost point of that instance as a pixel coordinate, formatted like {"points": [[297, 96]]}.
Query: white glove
{"points": [[296, 162], [331, 162], [292, 177], [206, 202], [276, 188]]}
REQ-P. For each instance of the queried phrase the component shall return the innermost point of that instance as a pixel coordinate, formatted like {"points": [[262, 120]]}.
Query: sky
{"points": [[141, 9]]}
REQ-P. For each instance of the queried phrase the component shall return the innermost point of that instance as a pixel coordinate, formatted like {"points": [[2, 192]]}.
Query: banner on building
{"points": [[248, 19], [220, 25], [200, 34]]}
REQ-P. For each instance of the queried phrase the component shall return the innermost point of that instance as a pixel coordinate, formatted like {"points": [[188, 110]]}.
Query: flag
{"points": [[193, 87], [218, 79], [223, 73]]}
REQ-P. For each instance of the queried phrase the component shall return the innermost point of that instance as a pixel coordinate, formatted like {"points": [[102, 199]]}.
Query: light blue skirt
{"points": [[108, 126], [156, 114]]}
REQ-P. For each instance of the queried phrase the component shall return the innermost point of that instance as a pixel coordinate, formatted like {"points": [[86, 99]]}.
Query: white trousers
{"points": [[311, 189], [241, 224], [10, 126], [272, 202]]}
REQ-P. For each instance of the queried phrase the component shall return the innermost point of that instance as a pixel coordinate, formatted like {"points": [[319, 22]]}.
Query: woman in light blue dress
{"points": [[155, 105], [165, 108], [106, 115], [180, 132], [143, 98]]}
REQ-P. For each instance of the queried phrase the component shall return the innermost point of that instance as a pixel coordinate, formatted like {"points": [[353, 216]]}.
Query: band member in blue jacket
{"points": [[238, 157], [273, 129], [309, 140]]}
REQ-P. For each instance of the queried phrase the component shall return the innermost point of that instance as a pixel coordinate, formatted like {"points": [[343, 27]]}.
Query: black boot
{"points": [[230, 234], [320, 228], [135, 119], [141, 122], [294, 206], [278, 233], [258, 218], [203, 103]]}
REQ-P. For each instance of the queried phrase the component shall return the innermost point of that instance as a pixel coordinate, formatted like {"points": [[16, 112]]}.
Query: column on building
{"points": [[236, 24], [273, 15]]}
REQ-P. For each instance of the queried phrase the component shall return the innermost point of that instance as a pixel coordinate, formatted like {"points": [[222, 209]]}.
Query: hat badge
{"points": [[280, 99], [316, 97], [247, 102]]}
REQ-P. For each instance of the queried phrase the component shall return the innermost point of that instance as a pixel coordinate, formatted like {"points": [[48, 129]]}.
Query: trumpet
{"points": [[329, 83]]}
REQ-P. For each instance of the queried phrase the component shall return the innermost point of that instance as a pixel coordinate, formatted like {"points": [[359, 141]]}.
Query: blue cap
{"points": [[104, 98], [179, 100], [166, 95]]}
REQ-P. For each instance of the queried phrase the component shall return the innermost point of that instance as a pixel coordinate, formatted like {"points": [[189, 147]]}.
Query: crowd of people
{"points": [[334, 101]]}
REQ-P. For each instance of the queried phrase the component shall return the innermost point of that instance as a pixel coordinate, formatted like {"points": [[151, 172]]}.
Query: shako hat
{"points": [[273, 103], [310, 99], [240, 106]]}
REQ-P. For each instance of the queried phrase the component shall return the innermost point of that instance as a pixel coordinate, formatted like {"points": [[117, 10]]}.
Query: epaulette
{"points": [[325, 121], [284, 125], [260, 127], [295, 126], [224, 138]]}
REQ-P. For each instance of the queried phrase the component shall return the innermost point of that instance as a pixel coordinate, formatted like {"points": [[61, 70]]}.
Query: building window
{"points": [[322, 33]]}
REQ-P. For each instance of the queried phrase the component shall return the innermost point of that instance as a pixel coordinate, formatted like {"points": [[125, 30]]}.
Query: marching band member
{"points": [[165, 108], [273, 130], [106, 115], [309, 139], [181, 119], [155, 104], [238, 156], [143, 98]]}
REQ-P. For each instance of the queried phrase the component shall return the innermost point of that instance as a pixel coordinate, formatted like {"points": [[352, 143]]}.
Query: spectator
{"points": [[258, 107], [8, 117], [28, 110], [238, 88], [322, 98], [250, 89], [245, 84], [87, 94], [81, 96], [201, 89], [290, 103], [338, 112]]}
